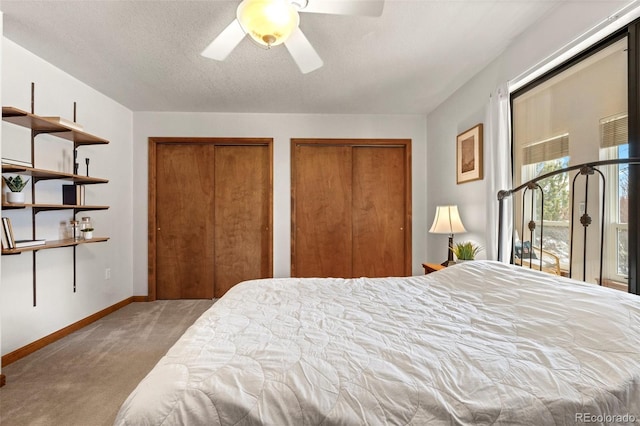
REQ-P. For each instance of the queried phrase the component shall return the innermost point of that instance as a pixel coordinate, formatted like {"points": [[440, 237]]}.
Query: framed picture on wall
{"points": [[469, 155]]}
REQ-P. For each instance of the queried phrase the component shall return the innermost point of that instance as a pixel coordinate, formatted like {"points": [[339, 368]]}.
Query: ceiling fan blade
{"points": [[226, 41], [303, 52], [345, 7]]}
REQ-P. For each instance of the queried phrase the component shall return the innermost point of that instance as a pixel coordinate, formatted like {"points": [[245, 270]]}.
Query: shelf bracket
{"points": [[33, 259], [74, 268]]}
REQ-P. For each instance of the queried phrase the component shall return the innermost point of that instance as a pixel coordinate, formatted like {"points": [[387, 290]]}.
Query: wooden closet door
{"points": [[322, 215], [184, 239], [378, 206], [210, 215], [241, 213], [351, 207]]}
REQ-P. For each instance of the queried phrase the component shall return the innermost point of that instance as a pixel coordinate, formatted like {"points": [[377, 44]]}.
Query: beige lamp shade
{"points": [[447, 221]]}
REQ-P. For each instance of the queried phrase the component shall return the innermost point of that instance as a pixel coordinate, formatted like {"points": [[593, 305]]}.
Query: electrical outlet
{"points": [[107, 273]]}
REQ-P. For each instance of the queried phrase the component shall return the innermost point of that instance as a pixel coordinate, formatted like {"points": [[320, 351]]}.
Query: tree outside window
{"points": [[557, 207]]}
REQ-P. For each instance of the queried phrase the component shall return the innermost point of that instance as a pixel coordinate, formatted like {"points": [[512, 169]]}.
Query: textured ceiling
{"points": [[146, 54]]}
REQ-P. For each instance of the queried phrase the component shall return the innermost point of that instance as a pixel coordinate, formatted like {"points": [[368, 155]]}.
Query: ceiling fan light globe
{"points": [[268, 22]]}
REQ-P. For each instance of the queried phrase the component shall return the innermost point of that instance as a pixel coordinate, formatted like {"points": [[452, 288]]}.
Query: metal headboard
{"points": [[532, 187]]}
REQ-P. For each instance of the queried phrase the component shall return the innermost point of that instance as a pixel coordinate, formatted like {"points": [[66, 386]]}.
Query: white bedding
{"points": [[476, 343]]}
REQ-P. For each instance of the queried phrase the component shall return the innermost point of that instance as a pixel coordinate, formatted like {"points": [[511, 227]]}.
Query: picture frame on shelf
{"points": [[469, 155]]}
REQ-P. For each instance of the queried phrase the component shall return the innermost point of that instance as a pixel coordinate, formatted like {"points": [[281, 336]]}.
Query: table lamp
{"points": [[447, 221]]}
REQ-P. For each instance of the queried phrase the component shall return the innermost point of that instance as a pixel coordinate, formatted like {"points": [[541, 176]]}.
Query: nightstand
{"points": [[432, 267]]}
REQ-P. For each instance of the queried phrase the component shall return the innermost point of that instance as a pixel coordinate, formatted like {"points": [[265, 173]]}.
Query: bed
{"points": [[476, 343], [600, 218]]}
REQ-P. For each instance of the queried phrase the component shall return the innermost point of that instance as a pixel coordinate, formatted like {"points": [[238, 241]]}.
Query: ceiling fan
{"points": [[273, 22]]}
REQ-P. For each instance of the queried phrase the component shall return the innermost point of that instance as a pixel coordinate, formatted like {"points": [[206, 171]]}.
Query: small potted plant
{"points": [[466, 251], [87, 233], [15, 185]]}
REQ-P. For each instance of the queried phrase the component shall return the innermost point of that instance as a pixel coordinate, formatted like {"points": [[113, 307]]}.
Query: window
{"points": [[614, 144], [558, 122], [540, 158], [622, 215]]}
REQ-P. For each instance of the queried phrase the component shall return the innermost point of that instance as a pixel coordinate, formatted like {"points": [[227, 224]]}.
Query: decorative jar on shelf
{"points": [[86, 228]]}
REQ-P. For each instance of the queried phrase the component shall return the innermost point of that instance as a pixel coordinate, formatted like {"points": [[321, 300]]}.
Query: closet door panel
{"points": [[241, 215], [184, 267], [322, 211], [378, 211]]}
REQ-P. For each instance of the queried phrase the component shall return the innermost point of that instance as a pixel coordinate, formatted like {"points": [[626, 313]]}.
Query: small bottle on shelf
{"points": [[74, 225]]}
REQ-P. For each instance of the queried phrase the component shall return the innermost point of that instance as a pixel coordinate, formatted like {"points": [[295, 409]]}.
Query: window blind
{"points": [[548, 149], [614, 131]]}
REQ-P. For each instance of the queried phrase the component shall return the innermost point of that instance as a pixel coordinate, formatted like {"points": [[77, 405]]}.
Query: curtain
{"points": [[499, 175]]}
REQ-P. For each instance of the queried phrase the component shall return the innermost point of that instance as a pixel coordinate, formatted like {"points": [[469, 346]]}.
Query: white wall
{"points": [[467, 107], [57, 305], [280, 127]]}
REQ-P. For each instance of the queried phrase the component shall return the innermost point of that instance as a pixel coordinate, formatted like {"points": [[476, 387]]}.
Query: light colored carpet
{"points": [[83, 378]]}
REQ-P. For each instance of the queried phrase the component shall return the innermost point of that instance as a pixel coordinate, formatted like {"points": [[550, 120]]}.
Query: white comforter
{"points": [[481, 343]]}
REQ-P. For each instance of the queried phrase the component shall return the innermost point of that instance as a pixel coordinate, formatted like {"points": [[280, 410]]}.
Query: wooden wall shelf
{"points": [[70, 242], [48, 125], [41, 125], [45, 207], [42, 174]]}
